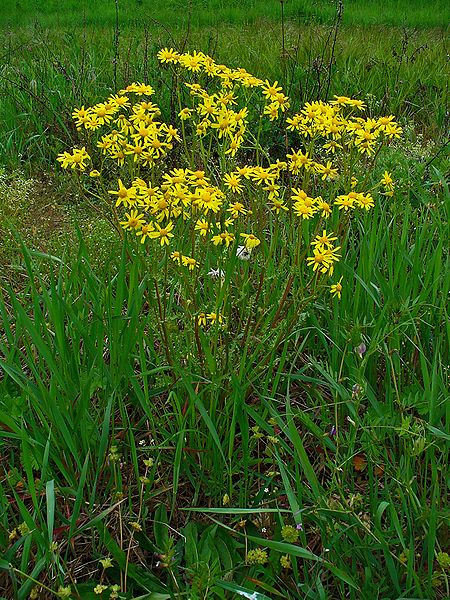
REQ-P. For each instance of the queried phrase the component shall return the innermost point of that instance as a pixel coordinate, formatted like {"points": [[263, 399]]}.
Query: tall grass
{"points": [[353, 448], [407, 13]]}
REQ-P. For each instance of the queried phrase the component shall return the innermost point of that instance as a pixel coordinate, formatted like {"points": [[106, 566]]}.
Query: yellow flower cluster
{"points": [[388, 184], [135, 130], [211, 318], [336, 130], [214, 111], [75, 160], [325, 254], [204, 195]]}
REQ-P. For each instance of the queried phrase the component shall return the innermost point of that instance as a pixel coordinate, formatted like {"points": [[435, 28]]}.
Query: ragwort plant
{"points": [[227, 242], [216, 218]]}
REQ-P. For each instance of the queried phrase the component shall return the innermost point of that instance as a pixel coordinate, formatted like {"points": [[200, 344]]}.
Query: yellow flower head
{"points": [[336, 289], [162, 233], [250, 240], [189, 262]]}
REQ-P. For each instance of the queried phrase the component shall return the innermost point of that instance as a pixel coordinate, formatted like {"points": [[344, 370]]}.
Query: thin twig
{"points": [[339, 14], [116, 44]]}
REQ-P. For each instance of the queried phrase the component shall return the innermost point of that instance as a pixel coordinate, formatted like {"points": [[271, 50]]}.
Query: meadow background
{"points": [[352, 445]]}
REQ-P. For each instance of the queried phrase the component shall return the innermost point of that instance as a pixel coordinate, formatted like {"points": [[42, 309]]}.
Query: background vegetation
{"points": [[216, 13]]}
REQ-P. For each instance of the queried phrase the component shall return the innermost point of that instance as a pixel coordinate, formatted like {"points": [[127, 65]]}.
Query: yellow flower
{"points": [[298, 195], [250, 240], [224, 237], [102, 113], [387, 180], [192, 62], [245, 171], [202, 227], [166, 55], [303, 210], [272, 110], [326, 171], [119, 100], [332, 255], [125, 196], [323, 207], [385, 122], [235, 144], [320, 261], [281, 101], [365, 201], [185, 113], [79, 115], [344, 202], [299, 160], [324, 240], [336, 289], [233, 182], [145, 230], [163, 233], [340, 100], [189, 262], [270, 91], [214, 317], [272, 188], [261, 175], [76, 160], [201, 319], [94, 173], [99, 589], [278, 205], [358, 103], [332, 146], [237, 209], [133, 220]]}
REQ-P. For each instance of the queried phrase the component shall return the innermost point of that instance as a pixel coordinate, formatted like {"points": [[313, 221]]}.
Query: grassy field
{"points": [[300, 448], [175, 14]]}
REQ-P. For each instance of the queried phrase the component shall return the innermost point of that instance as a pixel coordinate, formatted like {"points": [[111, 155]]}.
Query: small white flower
{"points": [[216, 273], [266, 490], [243, 253]]}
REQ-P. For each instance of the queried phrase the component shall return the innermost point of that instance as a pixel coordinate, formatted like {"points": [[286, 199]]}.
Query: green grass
{"points": [[408, 13], [240, 443], [82, 374]]}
